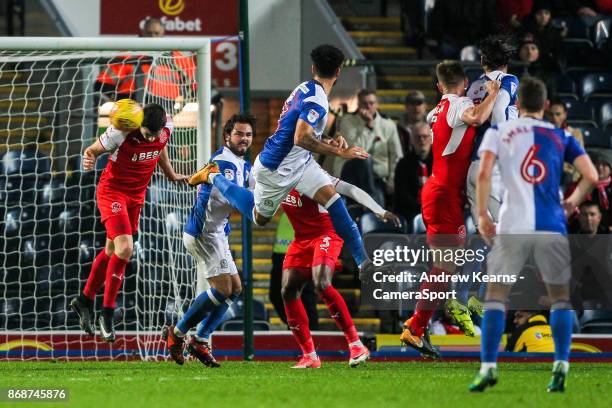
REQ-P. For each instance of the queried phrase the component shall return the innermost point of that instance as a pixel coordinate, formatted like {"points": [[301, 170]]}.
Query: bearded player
{"points": [[312, 256], [206, 239], [453, 124], [120, 196]]}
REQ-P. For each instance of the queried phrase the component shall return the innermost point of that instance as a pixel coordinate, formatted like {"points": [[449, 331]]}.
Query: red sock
{"points": [[339, 312], [96, 276], [297, 320], [114, 279], [426, 308]]}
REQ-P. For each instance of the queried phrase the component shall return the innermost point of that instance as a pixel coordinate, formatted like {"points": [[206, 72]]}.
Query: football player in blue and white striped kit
{"points": [[206, 237], [532, 219]]}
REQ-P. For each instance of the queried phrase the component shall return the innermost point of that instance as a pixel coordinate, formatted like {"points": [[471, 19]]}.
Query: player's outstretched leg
{"points": [[83, 304], [239, 197], [202, 175], [561, 323], [460, 314], [493, 324]]}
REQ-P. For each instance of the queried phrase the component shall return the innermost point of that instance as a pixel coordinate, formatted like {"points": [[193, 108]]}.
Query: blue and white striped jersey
{"points": [[530, 154], [505, 105], [307, 102], [211, 211]]}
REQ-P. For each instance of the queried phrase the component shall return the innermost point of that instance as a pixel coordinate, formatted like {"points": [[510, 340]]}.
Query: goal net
{"points": [[53, 104]]}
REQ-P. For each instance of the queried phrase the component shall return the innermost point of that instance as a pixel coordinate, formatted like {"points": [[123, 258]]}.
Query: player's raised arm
{"points": [[477, 115], [91, 154], [166, 165], [305, 138]]}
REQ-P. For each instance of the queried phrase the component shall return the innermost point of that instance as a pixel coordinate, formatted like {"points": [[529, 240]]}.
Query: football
{"points": [[127, 114]]}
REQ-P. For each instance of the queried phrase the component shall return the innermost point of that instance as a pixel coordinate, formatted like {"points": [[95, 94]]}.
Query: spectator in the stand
{"points": [[376, 135], [510, 13], [459, 23], [557, 114], [529, 52], [590, 11], [548, 35], [284, 235], [532, 333], [415, 111], [152, 27], [412, 172], [602, 194], [589, 220]]}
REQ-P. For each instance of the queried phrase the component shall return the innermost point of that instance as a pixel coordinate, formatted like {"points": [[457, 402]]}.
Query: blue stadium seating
{"points": [[596, 138], [561, 84], [576, 28], [601, 32], [596, 321], [370, 223], [579, 51], [26, 162], [577, 110], [605, 114], [596, 83]]}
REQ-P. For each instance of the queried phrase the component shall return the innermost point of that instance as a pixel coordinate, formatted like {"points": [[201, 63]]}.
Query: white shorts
{"points": [[495, 198], [272, 186], [550, 251], [212, 255]]}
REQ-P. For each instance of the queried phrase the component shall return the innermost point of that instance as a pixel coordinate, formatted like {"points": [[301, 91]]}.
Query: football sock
{"points": [[215, 318], [564, 365], [484, 367], [114, 278], [96, 276], [346, 228], [297, 320], [339, 312], [202, 305], [561, 324], [108, 312], [493, 323], [240, 198], [426, 308], [469, 269]]}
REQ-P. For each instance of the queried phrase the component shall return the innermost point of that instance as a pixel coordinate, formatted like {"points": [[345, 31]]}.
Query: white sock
{"points": [[564, 365], [201, 339], [312, 356], [484, 367], [178, 333], [356, 343], [212, 176]]}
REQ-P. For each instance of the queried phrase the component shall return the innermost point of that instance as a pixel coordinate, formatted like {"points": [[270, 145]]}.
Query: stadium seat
{"points": [[369, 223], [561, 84], [596, 138], [577, 110], [470, 53], [576, 28], [418, 226], [236, 311], [579, 51], [597, 83], [26, 162], [605, 114], [601, 32], [596, 321], [583, 125]]}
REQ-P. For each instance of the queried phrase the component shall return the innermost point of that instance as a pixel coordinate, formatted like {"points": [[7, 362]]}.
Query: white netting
{"points": [[52, 106]]}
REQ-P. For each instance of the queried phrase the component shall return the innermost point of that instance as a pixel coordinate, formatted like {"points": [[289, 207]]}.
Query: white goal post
{"points": [[52, 105]]}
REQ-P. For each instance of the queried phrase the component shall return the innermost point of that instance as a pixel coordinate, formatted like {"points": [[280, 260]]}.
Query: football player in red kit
{"points": [[120, 196], [312, 256], [453, 124]]}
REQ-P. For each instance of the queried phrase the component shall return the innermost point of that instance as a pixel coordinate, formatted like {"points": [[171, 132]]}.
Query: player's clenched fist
{"points": [[492, 87], [89, 160], [354, 152]]}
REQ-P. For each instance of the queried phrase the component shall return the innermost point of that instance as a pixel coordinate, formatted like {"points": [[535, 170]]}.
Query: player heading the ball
{"points": [[120, 195]]}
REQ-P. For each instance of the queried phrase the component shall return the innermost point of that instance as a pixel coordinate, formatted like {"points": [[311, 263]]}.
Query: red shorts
{"points": [[303, 254], [120, 212], [442, 211]]}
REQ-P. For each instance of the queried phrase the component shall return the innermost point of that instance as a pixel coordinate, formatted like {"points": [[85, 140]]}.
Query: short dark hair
{"points": [[239, 118], [365, 92], [450, 73], [590, 203], [532, 94], [326, 59], [497, 51], [154, 117], [558, 101], [150, 21]]}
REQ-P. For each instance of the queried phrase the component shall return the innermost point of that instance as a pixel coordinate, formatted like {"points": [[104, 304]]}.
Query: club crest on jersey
{"points": [[313, 115], [229, 174], [115, 207], [461, 232]]}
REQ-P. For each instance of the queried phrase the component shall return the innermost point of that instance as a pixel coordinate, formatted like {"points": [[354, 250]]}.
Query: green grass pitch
{"points": [[274, 384]]}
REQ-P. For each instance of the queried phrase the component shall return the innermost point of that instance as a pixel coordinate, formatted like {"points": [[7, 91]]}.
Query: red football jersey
{"points": [[308, 218], [453, 142], [132, 161]]}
